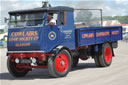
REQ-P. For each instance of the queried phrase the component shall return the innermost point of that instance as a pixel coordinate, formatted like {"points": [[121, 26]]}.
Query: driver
{"points": [[51, 21], [22, 20]]}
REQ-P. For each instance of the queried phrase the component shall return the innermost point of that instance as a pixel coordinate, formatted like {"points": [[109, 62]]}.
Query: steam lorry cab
{"points": [[32, 43]]}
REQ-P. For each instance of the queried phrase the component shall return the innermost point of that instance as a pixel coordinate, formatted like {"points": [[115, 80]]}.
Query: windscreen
{"points": [[24, 20], [88, 17]]}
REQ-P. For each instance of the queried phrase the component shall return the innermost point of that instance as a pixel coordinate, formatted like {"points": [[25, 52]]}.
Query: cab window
{"points": [[52, 19], [63, 18]]}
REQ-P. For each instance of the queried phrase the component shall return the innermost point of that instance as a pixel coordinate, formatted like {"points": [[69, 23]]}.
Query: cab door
{"points": [[67, 29], [51, 35]]}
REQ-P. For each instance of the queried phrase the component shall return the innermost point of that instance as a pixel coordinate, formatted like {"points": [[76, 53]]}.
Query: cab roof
{"points": [[58, 8]]}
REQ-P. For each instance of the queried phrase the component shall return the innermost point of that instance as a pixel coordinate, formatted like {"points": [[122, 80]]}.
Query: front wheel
{"points": [[17, 72], [60, 65]]}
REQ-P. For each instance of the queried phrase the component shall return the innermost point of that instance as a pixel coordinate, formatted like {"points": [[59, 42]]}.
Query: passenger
{"points": [[51, 21]]}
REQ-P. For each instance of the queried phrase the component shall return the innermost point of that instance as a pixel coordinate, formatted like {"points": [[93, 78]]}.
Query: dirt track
{"points": [[85, 74]]}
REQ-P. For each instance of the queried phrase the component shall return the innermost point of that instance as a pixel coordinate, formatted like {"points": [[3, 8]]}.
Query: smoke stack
{"points": [[45, 4]]}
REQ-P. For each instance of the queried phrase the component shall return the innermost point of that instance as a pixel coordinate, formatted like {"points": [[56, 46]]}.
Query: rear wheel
{"points": [[97, 62], [60, 65], [104, 58], [17, 72]]}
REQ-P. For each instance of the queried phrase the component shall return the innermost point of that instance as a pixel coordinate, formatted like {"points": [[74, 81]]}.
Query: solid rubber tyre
{"points": [[60, 65], [97, 62], [16, 72], [105, 58]]}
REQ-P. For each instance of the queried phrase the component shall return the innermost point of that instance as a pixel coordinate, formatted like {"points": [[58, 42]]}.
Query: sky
{"points": [[109, 7]]}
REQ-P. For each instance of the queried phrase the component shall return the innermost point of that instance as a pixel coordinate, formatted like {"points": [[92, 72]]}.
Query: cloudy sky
{"points": [[110, 7]]}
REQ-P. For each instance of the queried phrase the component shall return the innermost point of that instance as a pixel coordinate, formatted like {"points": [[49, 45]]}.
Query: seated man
{"points": [[51, 21], [22, 21]]}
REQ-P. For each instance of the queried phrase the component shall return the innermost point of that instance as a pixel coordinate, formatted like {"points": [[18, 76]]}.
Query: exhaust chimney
{"points": [[45, 4]]}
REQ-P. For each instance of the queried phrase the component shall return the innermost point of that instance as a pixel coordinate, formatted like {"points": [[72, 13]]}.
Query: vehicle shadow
{"points": [[43, 73], [34, 74], [82, 66]]}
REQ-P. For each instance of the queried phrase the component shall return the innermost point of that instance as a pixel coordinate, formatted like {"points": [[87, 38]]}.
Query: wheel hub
{"points": [[107, 54], [61, 63]]}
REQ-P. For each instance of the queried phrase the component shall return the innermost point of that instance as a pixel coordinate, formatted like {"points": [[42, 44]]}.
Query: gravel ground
{"points": [[86, 73]]}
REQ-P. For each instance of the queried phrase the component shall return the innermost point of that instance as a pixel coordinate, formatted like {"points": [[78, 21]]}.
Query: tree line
{"points": [[121, 19], [87, 16]]}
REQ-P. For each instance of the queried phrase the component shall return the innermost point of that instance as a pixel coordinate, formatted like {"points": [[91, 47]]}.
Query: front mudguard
{"points": [[57, 49]]}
